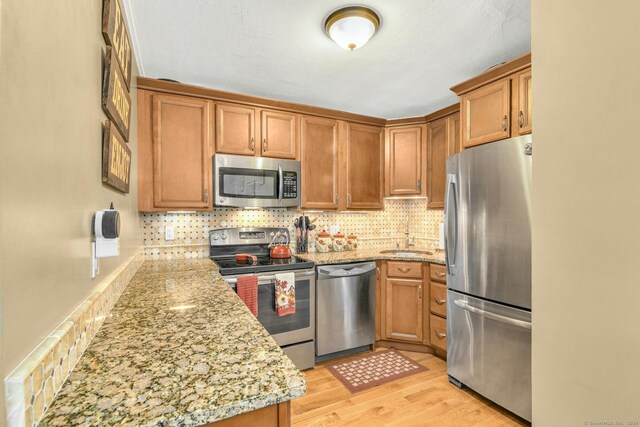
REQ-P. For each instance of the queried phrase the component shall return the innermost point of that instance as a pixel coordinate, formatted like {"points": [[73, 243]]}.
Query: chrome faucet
{"points": [[407, 243]]}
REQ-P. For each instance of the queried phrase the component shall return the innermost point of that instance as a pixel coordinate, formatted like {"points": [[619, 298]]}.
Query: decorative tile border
{"points": [[33, 385], [375, 229]]}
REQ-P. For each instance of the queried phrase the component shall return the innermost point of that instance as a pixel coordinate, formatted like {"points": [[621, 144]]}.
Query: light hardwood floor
{"points": [[424, 399]]}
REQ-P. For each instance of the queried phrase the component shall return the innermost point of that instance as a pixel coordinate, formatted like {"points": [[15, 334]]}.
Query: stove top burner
{"points": [[229, 266], [226, 242]]}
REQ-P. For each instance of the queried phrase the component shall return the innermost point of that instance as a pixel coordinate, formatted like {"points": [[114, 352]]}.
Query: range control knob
{"points": [[215, 236], [225, 236]]}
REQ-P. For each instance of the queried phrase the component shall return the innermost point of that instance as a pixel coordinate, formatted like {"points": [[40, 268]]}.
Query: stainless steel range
{"points": [[295, 332]]}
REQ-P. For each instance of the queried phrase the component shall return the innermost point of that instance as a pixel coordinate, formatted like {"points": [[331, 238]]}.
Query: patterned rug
{"points": [[372, 369]]}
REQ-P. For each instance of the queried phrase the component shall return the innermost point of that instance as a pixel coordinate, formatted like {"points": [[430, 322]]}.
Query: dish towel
{"points": [[247, 289], [285, 294]]}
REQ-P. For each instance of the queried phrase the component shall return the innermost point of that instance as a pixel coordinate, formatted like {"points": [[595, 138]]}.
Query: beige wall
{"points": [[50, 85], [586, 204]]}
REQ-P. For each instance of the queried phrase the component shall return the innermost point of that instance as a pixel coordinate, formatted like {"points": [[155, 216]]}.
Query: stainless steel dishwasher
{"points": [[345, 302]]}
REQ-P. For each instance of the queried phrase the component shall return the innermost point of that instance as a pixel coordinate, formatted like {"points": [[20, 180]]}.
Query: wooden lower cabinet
{"points": [[411, 310], [403, 304], [271, 416], [403, 289], [438, 332], [438, 306]]}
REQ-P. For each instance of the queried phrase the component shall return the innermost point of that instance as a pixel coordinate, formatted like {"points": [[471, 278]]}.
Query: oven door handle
{"points": [[263, 280]]}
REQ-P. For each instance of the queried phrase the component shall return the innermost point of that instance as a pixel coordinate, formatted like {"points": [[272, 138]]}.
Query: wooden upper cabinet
{"points": [[437, 151], [279, 134], [455, 143], [319, 162], [181, 147], [365, 167], [235, 129], [524, 102], [403, 310], [404, 161], [485, 113]]}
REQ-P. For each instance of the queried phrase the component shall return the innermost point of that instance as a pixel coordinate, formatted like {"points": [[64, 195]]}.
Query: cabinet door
{"points": [[454, 135], [181, 152], [365, 167], [524, 102], [485, 113], [235, 129], [404, 150], [319, 162], [437, 151], [279, 134], [403, 310]]}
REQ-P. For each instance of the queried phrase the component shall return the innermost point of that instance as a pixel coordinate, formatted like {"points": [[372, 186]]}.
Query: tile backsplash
{"points": [[381, 228]]}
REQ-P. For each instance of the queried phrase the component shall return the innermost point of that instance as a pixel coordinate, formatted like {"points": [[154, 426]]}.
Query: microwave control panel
{"points": [[290, 185]]}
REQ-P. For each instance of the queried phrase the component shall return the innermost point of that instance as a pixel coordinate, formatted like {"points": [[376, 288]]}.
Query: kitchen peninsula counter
{"points": [[371, 255], [178, 348]]}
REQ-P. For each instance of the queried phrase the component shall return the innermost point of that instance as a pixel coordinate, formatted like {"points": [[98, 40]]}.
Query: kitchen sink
{"points": [[405, 252]]}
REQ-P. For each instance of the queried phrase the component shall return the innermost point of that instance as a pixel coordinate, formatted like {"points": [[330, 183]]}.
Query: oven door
{"points": [[243, 181], [291, 328]]}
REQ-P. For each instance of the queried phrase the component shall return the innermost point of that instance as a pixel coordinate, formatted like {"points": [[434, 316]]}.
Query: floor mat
{"points": [[372, 369]]}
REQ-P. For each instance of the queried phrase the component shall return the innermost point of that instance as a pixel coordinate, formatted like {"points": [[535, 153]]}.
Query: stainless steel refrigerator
{"points": [[488, 254]]}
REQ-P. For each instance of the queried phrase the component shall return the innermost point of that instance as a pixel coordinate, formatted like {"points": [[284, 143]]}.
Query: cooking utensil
{"points": [[244, 258], [280, 249]]}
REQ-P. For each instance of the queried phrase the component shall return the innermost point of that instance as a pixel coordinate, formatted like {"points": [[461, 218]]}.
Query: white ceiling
{"points": [[278, 49]]}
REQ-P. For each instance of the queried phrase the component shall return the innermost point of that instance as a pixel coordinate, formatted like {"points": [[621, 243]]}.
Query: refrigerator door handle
{"points": [[451, 223], [514, 322]]}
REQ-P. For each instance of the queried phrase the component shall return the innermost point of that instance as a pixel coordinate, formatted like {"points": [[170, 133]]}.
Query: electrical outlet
{"points": [[168, 232]]}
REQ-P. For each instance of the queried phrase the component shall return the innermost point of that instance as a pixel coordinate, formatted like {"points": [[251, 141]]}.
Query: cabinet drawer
{"points": [[438, 273], [438, 301], [438, 332], [404, 269]]}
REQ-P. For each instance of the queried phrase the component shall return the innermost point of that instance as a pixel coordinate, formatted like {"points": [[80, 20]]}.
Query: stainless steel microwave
{"points": [[244, 181]]}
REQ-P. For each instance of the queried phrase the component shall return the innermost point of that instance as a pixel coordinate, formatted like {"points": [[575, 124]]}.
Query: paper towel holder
{"points": [[105, 237]]}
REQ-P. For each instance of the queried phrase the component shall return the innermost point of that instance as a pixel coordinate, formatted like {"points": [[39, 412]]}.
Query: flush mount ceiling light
{"points": [[351, 27]]}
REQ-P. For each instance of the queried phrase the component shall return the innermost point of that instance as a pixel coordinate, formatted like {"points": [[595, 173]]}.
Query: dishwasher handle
{"points": [[348, 270]]}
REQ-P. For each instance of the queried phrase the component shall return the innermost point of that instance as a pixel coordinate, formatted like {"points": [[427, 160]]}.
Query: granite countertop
{"points": [[178, 348], [371, 255]]}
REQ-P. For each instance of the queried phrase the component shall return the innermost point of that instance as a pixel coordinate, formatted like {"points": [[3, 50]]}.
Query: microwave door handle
{"points": [[280, 183]]}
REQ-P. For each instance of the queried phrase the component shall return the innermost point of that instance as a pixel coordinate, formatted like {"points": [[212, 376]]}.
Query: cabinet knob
{"points": [[505, 122], [348, 199], [377, 272], [521, 119], [420, 292], [440, 274], [404, 269], [252, 144], [419, 184], [205, 195], [264, 145], [440, 335], [439, 301]]}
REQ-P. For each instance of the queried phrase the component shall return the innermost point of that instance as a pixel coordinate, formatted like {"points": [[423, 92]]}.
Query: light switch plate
{"points": [[168, 232]]}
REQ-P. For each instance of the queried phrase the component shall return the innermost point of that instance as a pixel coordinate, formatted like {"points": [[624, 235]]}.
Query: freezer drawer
{"points": [[489, 350]]}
